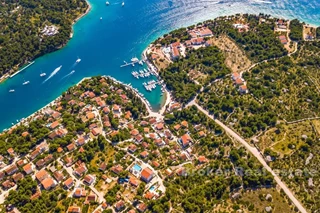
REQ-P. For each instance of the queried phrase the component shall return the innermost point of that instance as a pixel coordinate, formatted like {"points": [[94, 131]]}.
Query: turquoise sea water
{"points": [[124, 32]]}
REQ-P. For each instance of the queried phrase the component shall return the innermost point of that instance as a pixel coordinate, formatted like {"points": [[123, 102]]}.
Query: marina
{"points": [[133, 62]]}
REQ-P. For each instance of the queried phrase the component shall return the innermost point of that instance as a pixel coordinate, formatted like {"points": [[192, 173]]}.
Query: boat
{"points": [[122, 4], [43, 74], [72, 72], [107, 3], [12, 90], [134, 60], [140, 62], [100, 18], [78, 60], [26, 82]]}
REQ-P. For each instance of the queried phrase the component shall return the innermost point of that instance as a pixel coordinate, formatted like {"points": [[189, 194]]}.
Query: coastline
{"points": [[7, 75], [81, 16]]}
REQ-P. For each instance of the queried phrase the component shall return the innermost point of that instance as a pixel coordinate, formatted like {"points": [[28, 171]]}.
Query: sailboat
{"points": [[107, 3], [122, 4]]}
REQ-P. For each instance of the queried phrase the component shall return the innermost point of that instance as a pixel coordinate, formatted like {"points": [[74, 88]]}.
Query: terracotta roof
{"points": [[27, 168], [47, 183], [146, 173], [68, 183], [41, 175]]}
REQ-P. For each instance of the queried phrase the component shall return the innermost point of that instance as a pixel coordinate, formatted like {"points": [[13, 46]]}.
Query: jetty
{"points": [[30, 63], [133, 62]]}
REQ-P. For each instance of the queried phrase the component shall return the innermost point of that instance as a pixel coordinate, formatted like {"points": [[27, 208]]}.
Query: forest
{"points": [[21, 24]]}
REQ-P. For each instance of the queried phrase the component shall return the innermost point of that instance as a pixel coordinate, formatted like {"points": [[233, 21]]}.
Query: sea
{"points": [[109, 35]]}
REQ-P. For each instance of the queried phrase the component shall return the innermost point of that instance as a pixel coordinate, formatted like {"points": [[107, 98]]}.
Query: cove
{"points": [[123, 33]]}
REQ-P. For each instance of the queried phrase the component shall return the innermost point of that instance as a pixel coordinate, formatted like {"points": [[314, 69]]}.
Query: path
{"points": [[257, 154]]}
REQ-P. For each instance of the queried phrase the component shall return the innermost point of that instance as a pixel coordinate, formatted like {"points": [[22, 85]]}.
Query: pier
{"points": [[133, 62], [30, 63]]}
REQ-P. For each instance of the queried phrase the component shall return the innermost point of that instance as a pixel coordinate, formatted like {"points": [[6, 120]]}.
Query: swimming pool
{"points": [[152, 188], [137, 167]]}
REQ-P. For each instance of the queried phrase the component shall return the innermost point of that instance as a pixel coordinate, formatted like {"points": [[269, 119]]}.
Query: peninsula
{"points": [[26, 33], [239, 131]]}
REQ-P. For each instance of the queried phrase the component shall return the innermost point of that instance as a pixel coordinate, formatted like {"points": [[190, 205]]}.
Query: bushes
{"points": [[296, 30]]}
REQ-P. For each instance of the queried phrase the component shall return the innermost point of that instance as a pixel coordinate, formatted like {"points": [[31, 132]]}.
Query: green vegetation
{"points": [[20, 198], [21, 24], [209, 61], [318, 32], [296, 30]]}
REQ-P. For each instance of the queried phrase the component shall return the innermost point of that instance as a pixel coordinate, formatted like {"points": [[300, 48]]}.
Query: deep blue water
{"points": [[124, 32]]}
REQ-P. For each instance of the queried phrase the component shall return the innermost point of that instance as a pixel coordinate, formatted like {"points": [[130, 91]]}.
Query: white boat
{"points": [[122, 4], [141, 62], [134, 60], [12, 90], [107, 3], [100, 18], [26, 82], [78, 60], [43, 74], [72, 72]]}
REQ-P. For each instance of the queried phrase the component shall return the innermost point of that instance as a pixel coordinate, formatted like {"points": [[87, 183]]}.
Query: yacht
{"points": [[26, 82], [134, 60], [78, 60], [107, 3], [12, 90], [122, 4], [43, 74]]}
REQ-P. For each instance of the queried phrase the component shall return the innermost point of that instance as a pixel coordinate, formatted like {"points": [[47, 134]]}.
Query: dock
{"points": [[30, 63], [132, 63]]}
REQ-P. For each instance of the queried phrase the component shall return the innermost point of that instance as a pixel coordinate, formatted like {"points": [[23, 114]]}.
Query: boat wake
{"points": [[53, 73], [68, 74]]}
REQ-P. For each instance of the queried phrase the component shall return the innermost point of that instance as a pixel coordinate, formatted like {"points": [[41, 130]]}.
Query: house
{"points": [[2, 175], [11, 170], [10, 151], [197, 41], [134, 132], [168, 172], [74, 209], [201, 134], [149, 195], [175, 53], [96, 131], [41, 175], [24, 134], [235, 76], [184, 124], [116, 109], [90, 115], [283, 39], [58, 176], [54, 125], [16, 177], [79, 192], [155, 164], [48, 183], [80, 141], [27, 169], [106, 110], [7, 184], [88, 179], [71, 147], [177, 127], [138, 138], [181, 171], [146, 175], [119, 205], [117, 169], [159, 126], [238, 82], [103, 166], [80, 171], [144, 154], [68, 183], [243, 89], [185, 140], [91, 198], [205, 32], [34, 154], [142, 207], [202, 159], [133, 181], [132, 148], [56, 115]]}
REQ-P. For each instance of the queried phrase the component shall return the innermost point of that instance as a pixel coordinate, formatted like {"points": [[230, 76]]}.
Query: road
{"points": [[257, 154]]}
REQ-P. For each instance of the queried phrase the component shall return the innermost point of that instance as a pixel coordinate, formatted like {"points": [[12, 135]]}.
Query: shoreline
{"points": [[7, 75], [79, 17]]}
